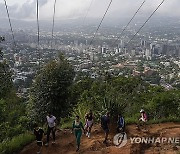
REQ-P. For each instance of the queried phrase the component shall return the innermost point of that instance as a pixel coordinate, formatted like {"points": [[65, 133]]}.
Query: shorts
{"points": [[143, 120], [40, 143], [89, 124]]}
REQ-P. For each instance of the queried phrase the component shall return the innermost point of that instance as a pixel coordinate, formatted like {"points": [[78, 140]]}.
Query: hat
{"points": [[141, 111]]}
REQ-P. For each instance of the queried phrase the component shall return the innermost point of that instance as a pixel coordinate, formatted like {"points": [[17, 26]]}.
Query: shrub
{"points": [[16, 144]]}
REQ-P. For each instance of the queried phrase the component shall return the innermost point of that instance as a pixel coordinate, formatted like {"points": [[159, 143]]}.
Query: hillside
{"points": [[66, 142]]}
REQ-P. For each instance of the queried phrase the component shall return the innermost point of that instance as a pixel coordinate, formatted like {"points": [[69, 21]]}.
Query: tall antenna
{"points": [[53, 21], [38, 40], [100, 22], [129, 21], [87, 11], [9, 19], [146, 21]]}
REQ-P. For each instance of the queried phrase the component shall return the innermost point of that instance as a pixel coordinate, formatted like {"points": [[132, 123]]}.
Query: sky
{"points": [[73, 9]]}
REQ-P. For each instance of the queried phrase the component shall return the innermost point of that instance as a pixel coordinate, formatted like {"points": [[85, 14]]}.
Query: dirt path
{"points": [[65, 143]]}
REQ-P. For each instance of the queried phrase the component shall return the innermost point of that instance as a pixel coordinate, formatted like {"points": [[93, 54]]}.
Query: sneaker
{"points": [[87, 134], [46, 144], [105, 142], [77, 149], [54, 142]]}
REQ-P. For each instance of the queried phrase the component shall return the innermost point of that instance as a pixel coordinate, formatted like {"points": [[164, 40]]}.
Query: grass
{"points": [[134, 120], [130, 121], [16, 144], [66, 123], [164, 120]]}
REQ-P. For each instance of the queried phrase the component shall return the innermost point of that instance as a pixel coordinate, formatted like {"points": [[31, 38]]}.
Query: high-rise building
{"points": [[165, 49], [148, 54], [143, 43], [103, 50]]}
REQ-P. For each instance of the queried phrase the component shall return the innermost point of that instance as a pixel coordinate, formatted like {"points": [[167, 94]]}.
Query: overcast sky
{"points": [[26, 9]]}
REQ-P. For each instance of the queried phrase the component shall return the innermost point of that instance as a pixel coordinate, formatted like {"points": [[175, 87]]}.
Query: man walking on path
{"points": [[51, 122], [121, 124], [105, 121]]}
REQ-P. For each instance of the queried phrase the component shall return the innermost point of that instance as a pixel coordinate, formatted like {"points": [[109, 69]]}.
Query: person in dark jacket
{"points": [[120, 124], [39, 133], [105, 121]]}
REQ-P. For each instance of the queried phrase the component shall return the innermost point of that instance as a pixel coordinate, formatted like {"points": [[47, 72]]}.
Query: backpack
{"points": [[145, 116]]}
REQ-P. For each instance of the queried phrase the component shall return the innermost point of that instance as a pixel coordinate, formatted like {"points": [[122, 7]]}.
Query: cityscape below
{"points": [[152, 55]]}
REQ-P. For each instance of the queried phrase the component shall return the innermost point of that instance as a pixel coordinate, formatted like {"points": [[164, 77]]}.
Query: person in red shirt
{"points": [[143, 116], [143, 119]]}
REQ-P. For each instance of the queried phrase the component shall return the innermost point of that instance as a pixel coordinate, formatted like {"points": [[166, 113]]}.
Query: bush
{"points": [[16, 144], [127, 96], [66, 123], [164, 120]]}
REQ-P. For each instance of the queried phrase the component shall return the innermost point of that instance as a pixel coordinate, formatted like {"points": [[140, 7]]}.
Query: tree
{"points": [[115, 94], [6, 84], [50, 90], [12, 108], [1, 39], [165, 104]]}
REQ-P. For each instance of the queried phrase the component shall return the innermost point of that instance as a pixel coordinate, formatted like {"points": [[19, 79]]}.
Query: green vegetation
{"points": [[50, 90], [128, 96], [13, 119], [57, 90], [15, 144]]}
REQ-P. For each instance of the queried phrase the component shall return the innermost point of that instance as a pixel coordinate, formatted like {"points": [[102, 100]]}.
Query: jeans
{"points": [[49, 131]]}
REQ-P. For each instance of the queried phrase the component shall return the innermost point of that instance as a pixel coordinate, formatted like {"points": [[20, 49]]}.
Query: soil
{"points": [[65, 142]]}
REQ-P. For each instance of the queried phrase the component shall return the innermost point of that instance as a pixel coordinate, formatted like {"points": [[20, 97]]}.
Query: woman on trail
{"points": [[89, 123], [143, 119], [143, 116], [77, 128]]}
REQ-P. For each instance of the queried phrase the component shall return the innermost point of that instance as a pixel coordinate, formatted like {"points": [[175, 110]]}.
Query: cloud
{"points": [[26, 9]]}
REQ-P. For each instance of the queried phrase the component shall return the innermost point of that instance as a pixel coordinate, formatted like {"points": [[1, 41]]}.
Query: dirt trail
{"points": [[65, 143]]}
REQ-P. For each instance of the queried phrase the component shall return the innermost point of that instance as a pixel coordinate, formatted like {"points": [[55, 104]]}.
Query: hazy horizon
{"points": [[74, 9]]}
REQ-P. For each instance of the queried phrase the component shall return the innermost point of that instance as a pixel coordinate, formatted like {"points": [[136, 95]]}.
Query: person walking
{"points": [[77, 129], [39, 133], [89, 119], [51, 122], [121, 124], [105, 121], [143, 119]]}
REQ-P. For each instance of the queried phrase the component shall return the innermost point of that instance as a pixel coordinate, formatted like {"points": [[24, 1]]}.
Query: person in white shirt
{"points": [[51, 122]]}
